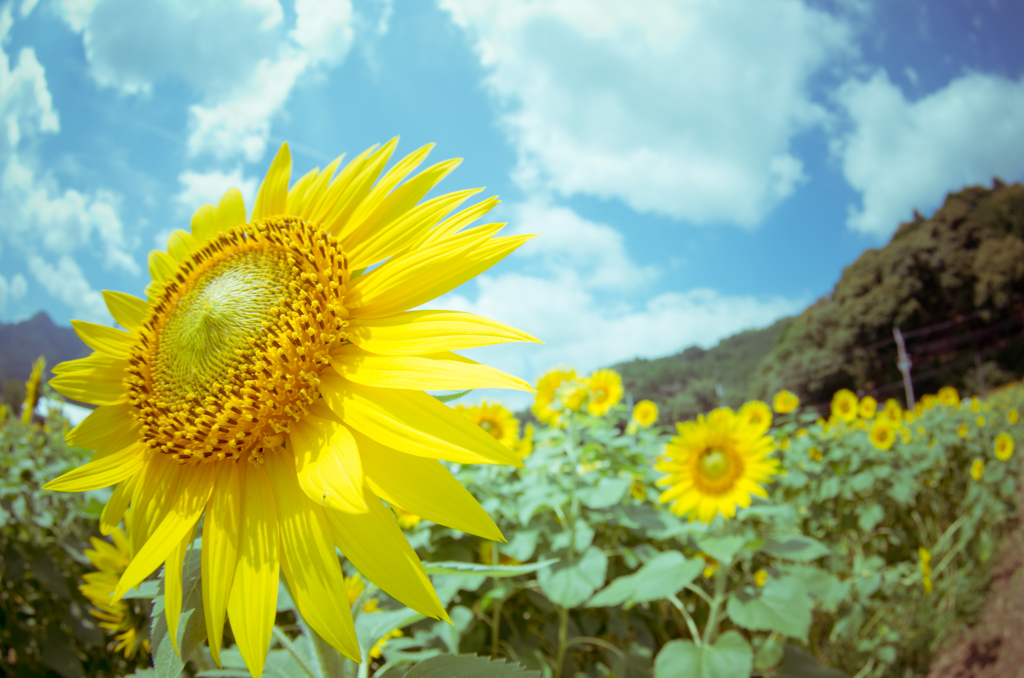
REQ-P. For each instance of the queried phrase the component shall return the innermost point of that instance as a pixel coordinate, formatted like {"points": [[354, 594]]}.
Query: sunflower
{"points": [[1012, 416], [645, 413], [605, 391], [28, 408], [926, 569], [844, 405], [1004, 446], [892, 411], [273, 385], [949, 396], [501, 424], [128, 624], [757, 415], [785, 402], [867, 407], [883, 434], [547, 405], [977, 469], [714, 465]]}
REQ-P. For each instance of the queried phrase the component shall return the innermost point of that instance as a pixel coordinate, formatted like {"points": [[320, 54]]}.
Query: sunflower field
{"points": [[285, 475]]}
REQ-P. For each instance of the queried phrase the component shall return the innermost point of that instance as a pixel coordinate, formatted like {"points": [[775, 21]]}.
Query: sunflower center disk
{"points": [[232, 349], [714, 464]]}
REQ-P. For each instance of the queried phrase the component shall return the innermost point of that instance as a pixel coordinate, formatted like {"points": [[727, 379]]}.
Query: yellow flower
{"points": [[883, 434], [844, 405], [605, 391], [405, 519], [868, 407], [710, 564], [354, 587], [801, 432], [785, 402], [929, 401], [981, 422], [905, 435], [273, 386], [815, 454], [926, 569], [962, 431], [949, 396], [501, 424], [975, 404], [757, 416], [1004, 446], [1012, 416], [32, 390], [122, 618], [977, 468], [645, 413], [909, 416], [638, 490], [547, 407], [760, 577], [572, 396], [378, 648], [714, 465]]}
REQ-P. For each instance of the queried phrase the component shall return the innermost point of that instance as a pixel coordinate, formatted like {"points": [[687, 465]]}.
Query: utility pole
{"points": [[903, 362], [721, 394]]}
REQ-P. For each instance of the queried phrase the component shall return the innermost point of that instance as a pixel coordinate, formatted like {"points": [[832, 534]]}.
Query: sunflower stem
{"points": [[690, 624], [711, 630], [563, 625]]}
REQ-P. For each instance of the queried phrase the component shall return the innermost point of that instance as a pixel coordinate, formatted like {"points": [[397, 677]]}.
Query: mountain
{"points": [[20, 345]]}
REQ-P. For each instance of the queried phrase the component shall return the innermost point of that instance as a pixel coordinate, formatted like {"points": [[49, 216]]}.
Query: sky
{"points": [[693, 169]]}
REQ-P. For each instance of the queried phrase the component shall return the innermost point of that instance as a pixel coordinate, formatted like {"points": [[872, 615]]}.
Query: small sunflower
{"points": [[714, 465], [883, 434], [867, 408], [785, 402], [980, 422], [128, 623], [977, 469], [406, 520], [756, 415], [547, 406], [844, 405], [760, 577], [645, 413], [273, 386], [604, 392], [1012, 416], [28, 408], [948, 395], [892, 411], [378, 648], [501, 424], [962, 431], [1004, 446], [638, 490]]}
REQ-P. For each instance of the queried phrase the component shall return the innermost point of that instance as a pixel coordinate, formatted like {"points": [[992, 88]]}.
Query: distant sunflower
{"points": [[547, 406], [123, 618], [949, 396], [645, 413], [892, 411], [496, 420], [883, 434], [1004, 446], [757, 415], [273, 386], [785, 402], [867, 407], [714, 465], [605, 391], [844, 405], [977, 469]]}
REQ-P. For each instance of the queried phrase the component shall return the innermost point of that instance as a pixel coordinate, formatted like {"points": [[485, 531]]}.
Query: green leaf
{"points": [[783, 605], [328, 660], [191, 623], [469, 666], [721, 548], [797, 663], [825, 587], [372, 627], [608, 492], [449, 397], [663, 576], [729, 657], [794, 547], [496, 571], [570, 583], [769, 654], [147, 589], [870, 517]]}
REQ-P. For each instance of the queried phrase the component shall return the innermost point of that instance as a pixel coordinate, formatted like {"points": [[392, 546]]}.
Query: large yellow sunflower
{"points": [[501, 424], [128, 624], [714, 465], [605, 391], [273, 384]]}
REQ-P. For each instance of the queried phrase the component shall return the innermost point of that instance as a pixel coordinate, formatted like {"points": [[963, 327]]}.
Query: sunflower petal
{"points": [[230, 212], [154, 490], [329, 468], [203, 223], [435, 372], [220, 552], [273, 196], [423, 487], [128, 311], [96, 387], [325, 207], [107, 429], [94, 362], [180, 244], [358, 183], [175, 526], [104, 472], [310, 564], [172, 588], [451, 225], [374, 543], [419, 332], [412, 422], [113, 512], [103, 339], [252, 603], [161, 265], [302, 203]]}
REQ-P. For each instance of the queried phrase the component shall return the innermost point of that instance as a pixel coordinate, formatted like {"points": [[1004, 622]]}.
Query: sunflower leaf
{"points": [[469, 666], [456, 567], [664, 575], [147, 589]]}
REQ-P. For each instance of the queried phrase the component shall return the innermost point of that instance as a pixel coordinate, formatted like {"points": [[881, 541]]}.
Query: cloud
{"points": [[26, 106], [238, 55], [903, 155], [14, 290], [66, 282], [683, 109], [198, 188]]}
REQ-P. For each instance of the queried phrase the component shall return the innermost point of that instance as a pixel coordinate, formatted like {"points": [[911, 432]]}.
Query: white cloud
{"points": [[198, 188], [236, 54], [26, 106], [685, 109], [66, 282], [12, 291], [903, 155]]}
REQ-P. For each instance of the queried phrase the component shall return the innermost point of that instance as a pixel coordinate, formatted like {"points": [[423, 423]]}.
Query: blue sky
{"points": [[695, 169]]}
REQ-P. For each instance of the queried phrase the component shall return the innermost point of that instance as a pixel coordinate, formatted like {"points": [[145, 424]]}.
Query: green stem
{"points": [[694, 633], [287, 644], [563, 625], [496, 627], [711, 630], [700, 592]]}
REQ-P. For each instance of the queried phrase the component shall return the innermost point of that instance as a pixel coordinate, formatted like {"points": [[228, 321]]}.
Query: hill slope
{"points": [[21, 343]]}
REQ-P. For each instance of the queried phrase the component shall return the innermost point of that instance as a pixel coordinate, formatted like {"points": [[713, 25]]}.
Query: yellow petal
{"points": [[374, 543], [94, 387], [419, 332], [273, 195], [203, 223], [412, 422], [104, 472], [358, 184], [230, 212], [113, 512], [302, 204], [423, 487], [175, 526], [103, 339], [412, 279], [128, 311], [93, 363], [107, 429], [328, 465], [308, 559], [451, 225], [331, 202], [161, 265], [383, 190], [154, 490], [172, 588], [435, 372], [300, 188], [220, 551], [180, 244], [252, 603]]}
